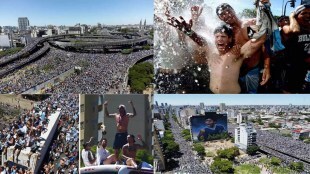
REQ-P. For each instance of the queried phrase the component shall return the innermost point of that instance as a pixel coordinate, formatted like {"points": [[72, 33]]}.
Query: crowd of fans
{"points": [[104, 72], [99, 73], [279, 65], [22, 62], [27, 49], [188, 162], [25, 132], [286, 145]]}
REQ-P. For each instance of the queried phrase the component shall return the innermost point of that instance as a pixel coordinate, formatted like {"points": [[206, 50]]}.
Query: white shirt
{"points": [[85, 158], [102, 154]]}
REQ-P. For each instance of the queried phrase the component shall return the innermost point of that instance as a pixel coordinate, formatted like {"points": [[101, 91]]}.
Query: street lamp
{"points": [[292, 2]]}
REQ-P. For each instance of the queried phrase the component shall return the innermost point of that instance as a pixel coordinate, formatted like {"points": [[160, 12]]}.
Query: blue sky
{"points": [[71, 12], [233, 99]]}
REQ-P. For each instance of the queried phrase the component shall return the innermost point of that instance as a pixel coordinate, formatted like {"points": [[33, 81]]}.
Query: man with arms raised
{"points": [[122, 120], [250, 70], [224, 65]]}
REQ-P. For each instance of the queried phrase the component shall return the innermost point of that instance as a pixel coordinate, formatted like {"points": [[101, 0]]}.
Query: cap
{"points": [[301, 8], [121, 106]]}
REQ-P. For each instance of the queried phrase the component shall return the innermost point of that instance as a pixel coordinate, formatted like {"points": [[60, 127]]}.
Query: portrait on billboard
{"points": [[211, 126]]}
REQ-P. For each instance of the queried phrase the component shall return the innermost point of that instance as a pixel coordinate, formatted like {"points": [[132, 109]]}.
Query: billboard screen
{"points": [[211, 126]]}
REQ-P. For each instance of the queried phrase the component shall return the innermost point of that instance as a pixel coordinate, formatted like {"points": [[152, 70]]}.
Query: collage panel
{"points": [[95, 47], [115, 134], [231, 47], [203, 133], [39, 134]]}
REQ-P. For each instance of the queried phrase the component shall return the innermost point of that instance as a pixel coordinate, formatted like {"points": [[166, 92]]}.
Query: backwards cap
{"points": [[121, 106], [301, 8]]}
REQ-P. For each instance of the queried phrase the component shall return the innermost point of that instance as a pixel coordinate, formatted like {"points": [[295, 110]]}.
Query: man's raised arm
{"points": [[133, 109], [186, 28], [106, 112], [293, 27], [143, 143]]}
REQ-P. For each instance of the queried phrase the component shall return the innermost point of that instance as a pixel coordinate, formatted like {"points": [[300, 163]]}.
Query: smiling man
{"points": [[224, 65], [250, 70]]}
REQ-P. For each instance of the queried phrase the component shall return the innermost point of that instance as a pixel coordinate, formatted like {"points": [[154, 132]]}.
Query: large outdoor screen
{"points": [[211, 126]]}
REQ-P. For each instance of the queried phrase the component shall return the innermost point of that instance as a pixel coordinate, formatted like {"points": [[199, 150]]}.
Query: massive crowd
{"points": [[28, 48], [21, 62], [63, 154], [104, 72], [285, 145], [188, 162], [99, 74], [25, 132]]}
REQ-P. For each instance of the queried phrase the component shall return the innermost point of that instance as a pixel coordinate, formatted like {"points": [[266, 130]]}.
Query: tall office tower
{"points": [[202, 105], [23, 23], [245, 135], [144, 26], [222, 107]]}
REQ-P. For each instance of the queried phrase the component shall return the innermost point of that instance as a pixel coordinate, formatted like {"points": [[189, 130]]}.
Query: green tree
{"points": [[251, 150], [140, 76], [247, 168], [144, 155], [229, 153], [298, 166], [248, 13], [275, 161], [186, 132], [199, 148], [220, 166]]}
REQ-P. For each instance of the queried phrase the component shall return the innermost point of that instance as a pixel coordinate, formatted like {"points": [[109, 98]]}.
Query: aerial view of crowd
{"points": [[100, 73], [286, 147], [25, 131], [252, 55], [28, 48]]}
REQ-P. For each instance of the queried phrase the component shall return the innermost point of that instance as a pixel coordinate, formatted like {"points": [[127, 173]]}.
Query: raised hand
{"points": [[139, 137], [105, 103], [181, 25], [196, 12]]}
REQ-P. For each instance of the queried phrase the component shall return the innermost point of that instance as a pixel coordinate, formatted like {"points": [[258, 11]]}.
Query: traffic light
{"points": [[292, 2]]}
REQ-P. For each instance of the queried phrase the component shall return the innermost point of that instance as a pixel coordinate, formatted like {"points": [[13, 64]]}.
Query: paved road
{"points": [[188, 162]]}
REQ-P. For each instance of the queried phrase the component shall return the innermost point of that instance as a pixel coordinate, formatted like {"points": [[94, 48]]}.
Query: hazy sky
{"points": [[71, 12], [233, 99]]}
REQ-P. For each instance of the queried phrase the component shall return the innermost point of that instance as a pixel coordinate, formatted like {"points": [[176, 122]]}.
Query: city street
{"points": [[188, 162]]}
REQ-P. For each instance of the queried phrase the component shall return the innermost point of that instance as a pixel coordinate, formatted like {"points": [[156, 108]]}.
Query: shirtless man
{"points": [[130, 149], [122, 120], [225, 64], [250, 71]]}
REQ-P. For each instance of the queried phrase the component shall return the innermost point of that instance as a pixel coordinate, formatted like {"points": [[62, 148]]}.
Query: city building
{"points": [[23, 23], [222, 107], [6, 41], [245, 136], [185, 113]]}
